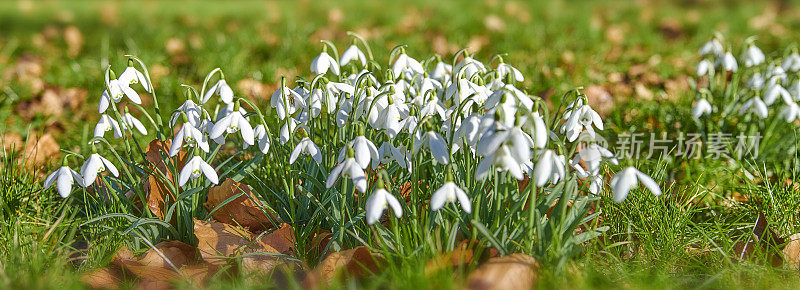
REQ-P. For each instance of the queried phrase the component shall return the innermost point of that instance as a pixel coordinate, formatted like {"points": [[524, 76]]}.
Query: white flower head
{"points": [[628, 179], [306, 146], [324, 62], [728, 62], [349, 168], [405, 63], [378, 202], [129, 121], [286, 102], [116, 89], [195, 168], [705, 67], [222, 89], [262, 137], [755, 105], [133, 76], [191, 135], [450, 192], [94, 165], [353, 53], [702, 107], [64, 178], [753, 56], [106, 124], [550, 167], [790, 112], [232, 123]]}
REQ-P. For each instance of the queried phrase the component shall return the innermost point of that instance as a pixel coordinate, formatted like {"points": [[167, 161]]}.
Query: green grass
{"points": [[557, 45]]}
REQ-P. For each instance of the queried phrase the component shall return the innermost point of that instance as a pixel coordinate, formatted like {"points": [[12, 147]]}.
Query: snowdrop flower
{"points": [[790, 112], [503, 160], [773, 92], [353, 53], [364, 150], [450, 192], [306, 146], [94, 165], [753, 56], [133, 76], [791, 63], [442, 72], [348, 169], [191, 135], [713, 46], [106, 124], [469, 66], [262, 137], [434, 142], [580, 119], [755, 82], [232, 123], [324, 62], [379, 201], [129, 121], [469, 130], [727, 62], [701, 108], [403, 63], [195, 168], [705, 67], [193, 112], [628, 179], [286, 102], [755, 105], [550, 167], [222, 89], [504, 69], [116, 89], [63, 177], [389, 153]]}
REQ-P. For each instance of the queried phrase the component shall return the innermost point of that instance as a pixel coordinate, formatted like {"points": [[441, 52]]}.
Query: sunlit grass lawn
{"points": [[640, 52]]}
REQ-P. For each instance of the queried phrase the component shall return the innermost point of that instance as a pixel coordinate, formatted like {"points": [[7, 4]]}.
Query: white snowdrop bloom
{"points": [[388, 153], [450, 192], [206, 126], [388, 114], [432, 107], [330, 96], [349, 168], [581, 118], [192, 110], [470, 67], [306, 146], [504, 69], [344, 112], [794, 90], [191, 135], [503, 160], [460, 90], [469, 131], [435, 143], [365, 152], [702, 107], [288, 103], [705, 67], [324, 62], [442, 72], [790, 112], [228, 109], [592, 155], [64, 178], [792, 62], [379, 201], [727, 62], [518, 142], [195, 168], [94, 165], [106, 124], [116, 89], [222, 89], [539, 130], [232, 123], [753, 56], [550, 167], [129, 121], [133, 76], [713, 46], [353, 53], [755, 105], [262, 138], [772, 93], [406, 63], [755, 82], [628, 179]]}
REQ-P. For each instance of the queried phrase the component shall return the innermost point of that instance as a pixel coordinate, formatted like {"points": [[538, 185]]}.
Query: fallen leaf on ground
{"points": [[103, 278], [218, 239], [40, 150], [356, 263], [241, 211], [791, 253], [12, 141], [177, 252], [280, 241], [155, 188], [465, 253], [762, 242], [515, 271]]}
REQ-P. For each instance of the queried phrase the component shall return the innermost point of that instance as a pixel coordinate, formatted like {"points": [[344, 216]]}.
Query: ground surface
{"points": [[634, 57]]}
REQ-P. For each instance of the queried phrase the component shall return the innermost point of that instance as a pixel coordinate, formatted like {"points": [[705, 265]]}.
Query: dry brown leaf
{"points": [[178, 253], [357, 263], [515, 271], [494, 23], [281, 241], [761, 243], [464, 254], [40, 150], [217, 239], [319, 243], [74, 39], [600, 99], [11, 141], [241, 211], [127, 262], [155, 188], [254, 88], [103, 278], [791, 253]]}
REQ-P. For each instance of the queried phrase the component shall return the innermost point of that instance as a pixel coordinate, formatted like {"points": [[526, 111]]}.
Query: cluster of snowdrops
{"points": [[358, 122]]}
